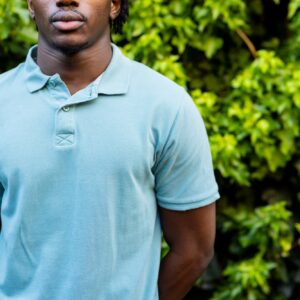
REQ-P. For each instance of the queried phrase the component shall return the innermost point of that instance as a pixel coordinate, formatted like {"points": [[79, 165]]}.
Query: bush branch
{"points": [[247, 41]]}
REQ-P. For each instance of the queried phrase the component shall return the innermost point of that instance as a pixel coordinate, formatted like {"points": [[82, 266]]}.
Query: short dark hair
{"points": [[117, 24]]}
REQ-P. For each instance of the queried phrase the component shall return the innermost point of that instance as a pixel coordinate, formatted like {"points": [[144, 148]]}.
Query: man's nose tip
{"points": [[61, 3]]}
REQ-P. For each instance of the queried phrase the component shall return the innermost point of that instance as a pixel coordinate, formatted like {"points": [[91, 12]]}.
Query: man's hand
{"points": [[190, 235]]}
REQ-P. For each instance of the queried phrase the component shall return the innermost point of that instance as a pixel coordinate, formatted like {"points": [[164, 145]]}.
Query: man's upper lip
{"points": [[67, 16]]}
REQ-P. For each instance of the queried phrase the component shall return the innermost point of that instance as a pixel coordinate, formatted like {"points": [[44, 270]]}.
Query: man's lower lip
{"points": [[67, 26]]}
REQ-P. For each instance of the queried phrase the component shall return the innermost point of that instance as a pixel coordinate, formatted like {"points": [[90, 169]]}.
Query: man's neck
{"points": [[76, 70]]}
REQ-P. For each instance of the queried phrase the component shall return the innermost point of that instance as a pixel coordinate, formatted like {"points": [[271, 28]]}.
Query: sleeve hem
{"points": [[192, 205]]}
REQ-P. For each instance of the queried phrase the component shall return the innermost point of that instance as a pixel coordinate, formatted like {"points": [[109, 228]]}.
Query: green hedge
{"points": [[240, 61]]}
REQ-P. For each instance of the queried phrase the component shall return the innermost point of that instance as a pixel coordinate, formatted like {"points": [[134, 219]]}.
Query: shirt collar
{"points": [[34, 78], [114, 80]]}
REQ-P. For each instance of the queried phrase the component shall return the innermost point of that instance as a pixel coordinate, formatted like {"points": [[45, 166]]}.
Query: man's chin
{"points": [[70, 49]]}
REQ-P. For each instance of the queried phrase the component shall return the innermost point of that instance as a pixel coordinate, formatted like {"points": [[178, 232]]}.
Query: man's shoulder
{"points": [[155, 89], [145, 75], [9, 77]]}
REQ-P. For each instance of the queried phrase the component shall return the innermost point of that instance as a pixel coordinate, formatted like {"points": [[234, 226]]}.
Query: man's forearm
{"points": [[178, 273]]}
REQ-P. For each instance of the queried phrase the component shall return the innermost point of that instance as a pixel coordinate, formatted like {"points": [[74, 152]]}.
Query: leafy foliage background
{"points": [[239, 59]]}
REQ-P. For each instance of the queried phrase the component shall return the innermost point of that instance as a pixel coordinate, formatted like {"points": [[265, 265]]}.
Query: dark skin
{"points": [[190, 235], [79, 56]]}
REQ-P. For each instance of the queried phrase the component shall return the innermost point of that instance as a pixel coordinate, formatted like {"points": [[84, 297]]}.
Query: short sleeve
{"points": [[184, 176]]}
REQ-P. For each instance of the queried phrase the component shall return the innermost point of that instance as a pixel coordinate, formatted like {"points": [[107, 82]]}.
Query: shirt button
{"points": [[66, 108]]}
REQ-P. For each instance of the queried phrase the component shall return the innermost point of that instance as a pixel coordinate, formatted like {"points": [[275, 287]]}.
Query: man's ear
{"points": [[115, 9], [31, 8]]}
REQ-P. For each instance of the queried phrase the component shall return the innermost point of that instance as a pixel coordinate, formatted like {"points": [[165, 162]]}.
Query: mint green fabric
{"points": [[81, 178]]}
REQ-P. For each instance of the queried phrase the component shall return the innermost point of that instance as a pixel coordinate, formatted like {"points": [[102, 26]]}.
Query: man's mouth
{"points": [[67, 20]]}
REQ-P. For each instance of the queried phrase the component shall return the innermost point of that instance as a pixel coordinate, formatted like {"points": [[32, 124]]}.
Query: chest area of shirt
{"points": [[90, 136]]}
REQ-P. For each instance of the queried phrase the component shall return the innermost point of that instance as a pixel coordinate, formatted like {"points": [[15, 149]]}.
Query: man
{"points": [[97, 153]]}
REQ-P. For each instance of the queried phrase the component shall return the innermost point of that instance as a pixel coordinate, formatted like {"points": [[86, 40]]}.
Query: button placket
{"points": [[65, 127]]}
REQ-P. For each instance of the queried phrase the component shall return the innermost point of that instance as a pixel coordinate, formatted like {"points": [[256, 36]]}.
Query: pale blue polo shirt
{"points": [[81, 178]]}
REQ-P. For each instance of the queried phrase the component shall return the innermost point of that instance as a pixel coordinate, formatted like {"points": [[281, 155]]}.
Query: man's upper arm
{"points": [[191, 231], [184, 172], [186, 188]]}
